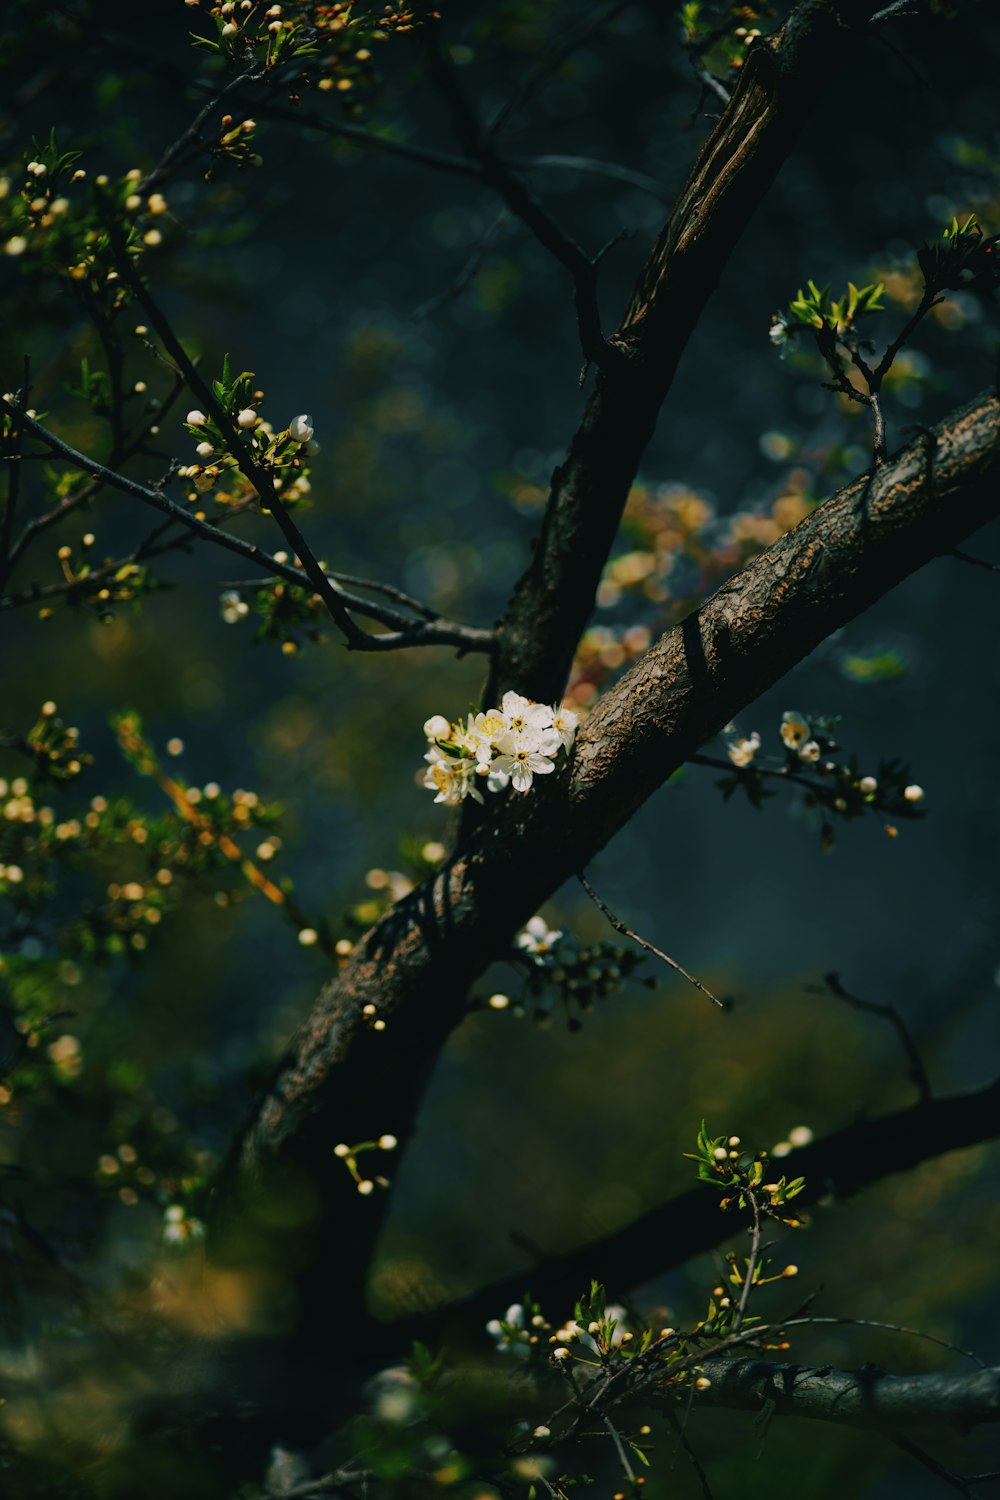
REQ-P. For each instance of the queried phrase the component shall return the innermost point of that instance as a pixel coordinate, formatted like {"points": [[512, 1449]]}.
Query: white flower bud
{"points": [[913, 793], [246, 418], [300, 429], [196, 419], [868, 785], [205, 450], [437, 728]]}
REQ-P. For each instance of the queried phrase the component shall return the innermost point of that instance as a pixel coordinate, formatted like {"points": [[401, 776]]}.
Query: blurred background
{"points": [[434, 345]]}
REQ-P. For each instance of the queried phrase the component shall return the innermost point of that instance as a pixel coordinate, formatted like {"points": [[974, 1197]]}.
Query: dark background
{"points": [[340, 276]]}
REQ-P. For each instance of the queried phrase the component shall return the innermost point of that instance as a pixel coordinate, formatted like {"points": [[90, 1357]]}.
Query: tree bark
{"points": [[856, 1398], [343, 1081], [779, 86]]}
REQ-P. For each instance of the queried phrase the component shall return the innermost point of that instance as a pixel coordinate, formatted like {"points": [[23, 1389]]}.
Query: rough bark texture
{"points": [[858, 1398], [778, 89], [343, 1081]]}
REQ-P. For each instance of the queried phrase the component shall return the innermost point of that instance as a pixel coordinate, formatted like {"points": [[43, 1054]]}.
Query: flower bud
{"points": [[246, 418], [437, 728], [300, 429], [196, 419]]}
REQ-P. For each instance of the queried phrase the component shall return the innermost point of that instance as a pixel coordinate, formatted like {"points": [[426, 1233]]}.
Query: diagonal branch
{"points": [[404, 631], [257, 475], [341, 1081], [497, 173], [778, 88], [842, 1163]]}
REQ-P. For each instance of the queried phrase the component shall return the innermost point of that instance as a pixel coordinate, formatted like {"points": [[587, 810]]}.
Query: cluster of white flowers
{"points": [[504, 746], [214, 459], [522, 1328], [796, 735]]}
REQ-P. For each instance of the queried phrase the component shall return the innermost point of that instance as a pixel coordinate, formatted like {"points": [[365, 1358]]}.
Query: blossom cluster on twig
{"points": [[505, 746]]}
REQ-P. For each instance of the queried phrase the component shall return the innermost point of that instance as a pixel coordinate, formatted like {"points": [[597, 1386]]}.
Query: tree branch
{"points": [[667, 1236], [403, 630], [341, 1081], [778, 87], [857, 1398]]}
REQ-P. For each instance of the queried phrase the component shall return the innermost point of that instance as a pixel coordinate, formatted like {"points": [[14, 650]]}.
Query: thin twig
{"points": [[751, 1272], [173, 155], [954, 1481], [620, 926], [13, 486], [252, 471], [976, 562], [522, 202], [623, 1457], [550, 62], [690, 1453], [403, 631], [71, 503], [917, 1069]]}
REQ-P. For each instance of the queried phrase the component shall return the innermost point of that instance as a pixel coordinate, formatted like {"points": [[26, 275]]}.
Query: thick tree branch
{"points": [[857, 1398], [778, 88], [841, 1164], [342, 1081]]}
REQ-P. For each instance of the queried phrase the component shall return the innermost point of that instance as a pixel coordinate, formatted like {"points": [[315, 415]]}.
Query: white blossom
{"points": [[437, 728], [451, 777], [537, 936], [564, 722], [794, 730], [522, 757], [742, 751], [300, 429]]}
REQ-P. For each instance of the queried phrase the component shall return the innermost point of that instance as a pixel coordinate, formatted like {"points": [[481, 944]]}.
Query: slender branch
{"points": [[748, 1279], [521, 201], [689, 1452], [976, 562], [13, 486], [620, 926], [927, 1461], [462, 166], [254, 472], [917, 1070], [190, 140], [88, 492], [404, 632], [571, 42], [623, 1457]]}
